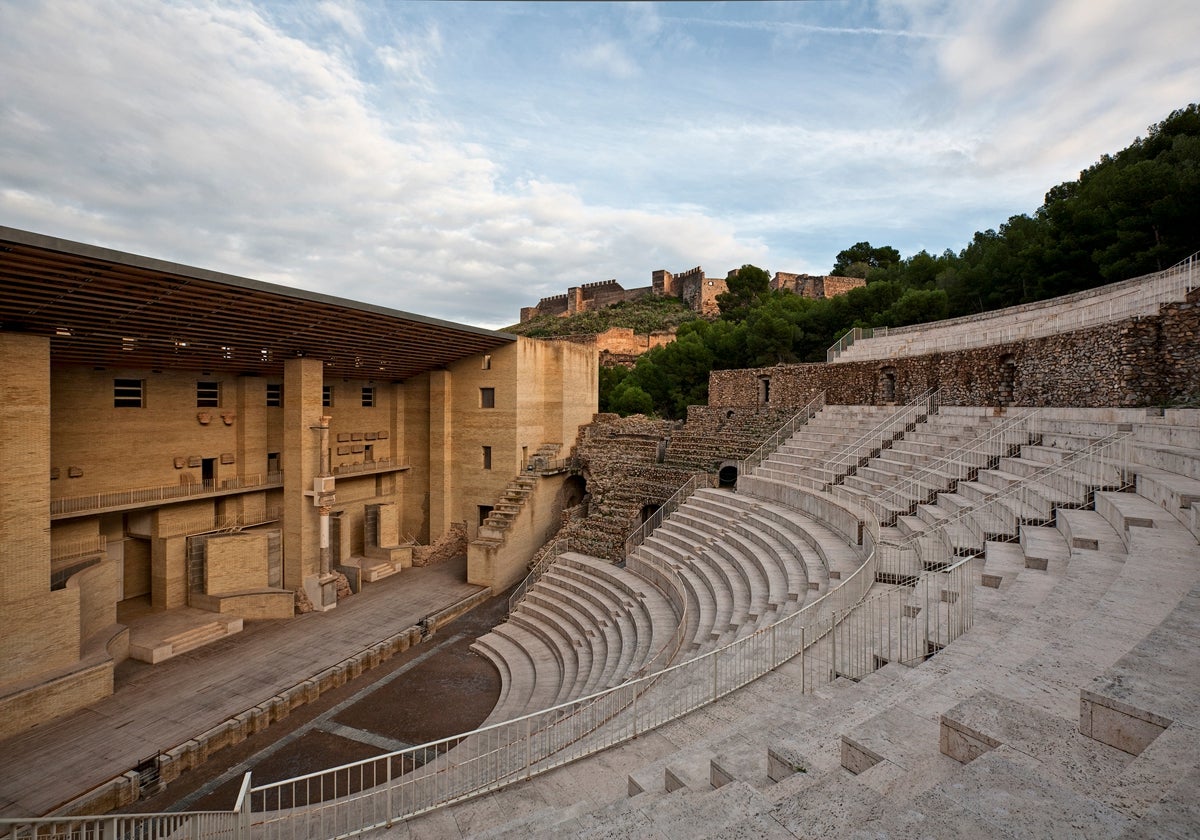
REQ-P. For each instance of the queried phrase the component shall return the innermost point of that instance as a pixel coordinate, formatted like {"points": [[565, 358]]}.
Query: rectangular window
{"points": [[208, 394], [487, 457], [274, 395], [326, 396], [487, 397], [368, 396], [127, 393], [487, 362]]}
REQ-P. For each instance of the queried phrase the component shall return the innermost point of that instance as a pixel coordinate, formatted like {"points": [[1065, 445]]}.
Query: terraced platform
{"points": [[1067, 710]]}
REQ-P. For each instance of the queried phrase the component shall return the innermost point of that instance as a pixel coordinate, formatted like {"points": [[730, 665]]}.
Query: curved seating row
{"points": [[1067, 710], [584, 626]]}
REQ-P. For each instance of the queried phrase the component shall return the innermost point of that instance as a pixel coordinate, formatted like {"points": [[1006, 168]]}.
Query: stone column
{"points": [[441, 451], [39, 629], [302, 383], [25, 457]]}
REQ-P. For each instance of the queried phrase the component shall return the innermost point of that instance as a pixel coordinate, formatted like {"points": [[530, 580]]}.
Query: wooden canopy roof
{"points": [[116, 310]]}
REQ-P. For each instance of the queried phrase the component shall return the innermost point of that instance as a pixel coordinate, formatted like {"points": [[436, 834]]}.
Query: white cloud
{"points": [[1057, 85], [202, 134], [345, 16], [607, 57], [463, 160]]}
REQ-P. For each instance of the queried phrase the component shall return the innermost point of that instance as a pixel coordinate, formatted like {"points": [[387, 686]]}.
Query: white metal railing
{"points": [[373, 793], [1137, 297], [905, 625], [170, 492], [840, 634], [872, 442], [957, 465], [365, 466], [638, 535], [194, 825], [559, 547], [227, 522], [72, 549], [832, 637], [748, 464], [852, 335], [1068, 482]]}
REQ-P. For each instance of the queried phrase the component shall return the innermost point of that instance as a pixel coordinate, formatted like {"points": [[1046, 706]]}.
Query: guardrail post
{"points": [[714, 661], [636, 693], [390, 810], [803, 662], [774, 660], [528, 747]]}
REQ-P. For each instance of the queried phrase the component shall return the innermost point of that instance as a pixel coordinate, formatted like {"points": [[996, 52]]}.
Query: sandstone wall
{"points": [[815, 287], [1135, 362]]}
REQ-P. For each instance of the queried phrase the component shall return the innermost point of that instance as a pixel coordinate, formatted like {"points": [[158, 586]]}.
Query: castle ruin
{"points": [[693, 287]]}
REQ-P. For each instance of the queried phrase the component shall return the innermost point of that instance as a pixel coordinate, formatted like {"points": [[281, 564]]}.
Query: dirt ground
{"points": [[436, 689]]}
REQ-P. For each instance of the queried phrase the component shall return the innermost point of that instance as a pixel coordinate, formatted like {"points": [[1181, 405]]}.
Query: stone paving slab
{"points": [[159, 707]]}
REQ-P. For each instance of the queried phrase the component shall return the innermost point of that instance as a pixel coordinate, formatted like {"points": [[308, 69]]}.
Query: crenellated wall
{"points": [[693, 287]]}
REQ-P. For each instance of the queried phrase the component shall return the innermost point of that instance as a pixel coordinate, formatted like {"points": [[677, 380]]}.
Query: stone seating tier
{"points": [[884, 756], [1046, 699]]}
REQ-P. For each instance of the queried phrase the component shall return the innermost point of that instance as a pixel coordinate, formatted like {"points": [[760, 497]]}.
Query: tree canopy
{"points": [[1129, 214]]}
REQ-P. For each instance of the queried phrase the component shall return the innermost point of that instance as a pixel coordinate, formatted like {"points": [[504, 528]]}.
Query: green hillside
{"points": [[649, 314]]}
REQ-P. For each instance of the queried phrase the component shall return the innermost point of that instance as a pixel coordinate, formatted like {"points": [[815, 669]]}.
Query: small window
{"points": [[274, 395], [487, 361], [326, 396], [487, 397], [127, 393], [208, 394], [368, 396], [487, 457]]}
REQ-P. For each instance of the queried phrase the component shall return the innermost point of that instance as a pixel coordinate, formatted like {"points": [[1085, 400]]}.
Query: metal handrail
{"points": [[162, 493], [748, 464], [638, 535], [934, 545], [839, 464], [1136, 297], [957, 463]]}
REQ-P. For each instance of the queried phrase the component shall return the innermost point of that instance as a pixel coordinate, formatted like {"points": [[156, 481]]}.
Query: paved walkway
{"points": [[158, 707]]}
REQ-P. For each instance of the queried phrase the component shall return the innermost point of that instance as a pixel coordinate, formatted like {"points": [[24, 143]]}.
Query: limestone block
{"points": [[856, 758], [1118, 724]]}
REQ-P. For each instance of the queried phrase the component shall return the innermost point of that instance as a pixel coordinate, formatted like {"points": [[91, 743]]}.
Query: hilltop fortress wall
{"points": [[693, 287]]}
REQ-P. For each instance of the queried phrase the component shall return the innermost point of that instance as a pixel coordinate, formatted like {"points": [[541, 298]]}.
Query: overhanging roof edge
{"points": [[97, 252]]}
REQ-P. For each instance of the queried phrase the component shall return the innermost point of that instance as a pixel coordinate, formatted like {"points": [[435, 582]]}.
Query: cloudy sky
{"points": [[463, 160]]}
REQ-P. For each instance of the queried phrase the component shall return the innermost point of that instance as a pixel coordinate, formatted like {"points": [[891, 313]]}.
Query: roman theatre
{"points": [[945, 584]]}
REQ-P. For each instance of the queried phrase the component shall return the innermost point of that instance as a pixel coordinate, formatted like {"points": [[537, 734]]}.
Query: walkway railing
{"points": [[957, 465], [559, 547], [228, 522], [837, 634], [367, 466], [170, 492], [1137, 297], [72, 549], [872, 442], [194, 825], [639, 534], [1071, 481], [852, 335], [783, 433]]}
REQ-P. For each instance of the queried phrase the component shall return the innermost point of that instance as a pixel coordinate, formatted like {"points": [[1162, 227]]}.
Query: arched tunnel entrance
{"points": [[727, 475]]}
